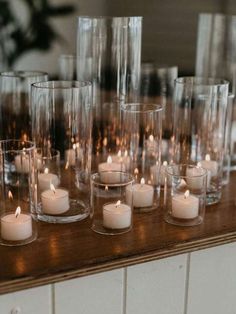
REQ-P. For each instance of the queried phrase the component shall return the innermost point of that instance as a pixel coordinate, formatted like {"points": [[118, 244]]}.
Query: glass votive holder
{"points": [[185, 195], [111, 202], [17, 176]]}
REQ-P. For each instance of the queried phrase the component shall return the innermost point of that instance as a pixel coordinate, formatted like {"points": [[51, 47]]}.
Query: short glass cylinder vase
{"points": [[62, 121], [15, 109], [141, 141], [111, 202], [200, 107], [185, 195], [17, 176]]}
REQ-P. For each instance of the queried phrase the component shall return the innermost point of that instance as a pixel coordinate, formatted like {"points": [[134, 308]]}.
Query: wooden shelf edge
{"points": [[179, 248]]}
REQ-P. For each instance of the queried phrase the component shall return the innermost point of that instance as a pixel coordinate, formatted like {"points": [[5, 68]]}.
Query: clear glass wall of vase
{"points": [[141, 143], [15, 110], [109, 55], [17, 183], [157, 86], [62, 124], [200, 107], [67, 67]]}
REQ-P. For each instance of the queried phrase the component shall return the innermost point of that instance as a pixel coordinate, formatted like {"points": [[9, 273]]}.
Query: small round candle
{"points": [[22, 163], [158, 173], [116, 215], [185, 206], [16, 226], [55, 201], [45, 179], [141, 193], [108, 170], [194, 177], [210, 165]]}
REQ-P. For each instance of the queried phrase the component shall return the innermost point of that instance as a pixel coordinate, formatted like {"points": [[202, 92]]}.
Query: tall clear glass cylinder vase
{"points": [[108, 55], [199, 127], [62, 123]]}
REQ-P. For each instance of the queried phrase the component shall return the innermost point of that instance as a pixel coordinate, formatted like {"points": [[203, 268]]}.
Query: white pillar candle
{"points": [[142, 194], [185, 206], [16, 226], [105, 169], [55, 202], [46, 178], [116, 215], [22, 163], [158, 173], [194, 177]]}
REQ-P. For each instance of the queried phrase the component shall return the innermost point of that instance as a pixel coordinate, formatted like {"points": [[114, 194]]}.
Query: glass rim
{"points": [[22, 73], [93, 177], [3, 151], [153, 107], [204, 174], [108, 17], [201, 81], [61, 84]]}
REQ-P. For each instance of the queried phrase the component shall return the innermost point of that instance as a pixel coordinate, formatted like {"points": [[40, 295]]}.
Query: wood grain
{"points": [[68, 251]]}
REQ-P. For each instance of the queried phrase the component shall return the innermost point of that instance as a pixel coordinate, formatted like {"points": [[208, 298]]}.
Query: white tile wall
{"points": [[30, 301], [97, 294], [212, 281], [157, 287]]}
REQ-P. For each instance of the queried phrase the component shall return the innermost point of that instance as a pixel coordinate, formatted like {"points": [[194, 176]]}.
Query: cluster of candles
{"points": [[116, 215]]}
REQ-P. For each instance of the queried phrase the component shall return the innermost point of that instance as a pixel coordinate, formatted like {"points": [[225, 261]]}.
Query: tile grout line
{"points": [[187, 283], [124, 289], [53, 310]]}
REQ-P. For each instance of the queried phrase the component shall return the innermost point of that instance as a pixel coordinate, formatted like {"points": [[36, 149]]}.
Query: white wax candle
{"points": [[122, 159], [158, 173], [45, 179], [194, 177], [210, 165], [142, 194], [116, 216], [22, 163], [185, 206], [16, 228], [105, 169], [55, 202]]}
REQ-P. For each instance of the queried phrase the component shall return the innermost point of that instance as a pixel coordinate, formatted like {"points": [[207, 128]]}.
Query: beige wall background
{"points": [[169, 29]]}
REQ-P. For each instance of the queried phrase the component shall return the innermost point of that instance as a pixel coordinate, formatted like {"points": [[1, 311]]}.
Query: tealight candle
{"points": [[194, 177], [55, 201], [46, 178], [185, 206], [110, 171], [142, 194], [158, 173], [16, 226], [22, 163], [210, 165], [116, 215]]}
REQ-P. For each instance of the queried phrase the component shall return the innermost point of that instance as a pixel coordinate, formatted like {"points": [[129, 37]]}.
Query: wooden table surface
{"points": [[67, 251]]}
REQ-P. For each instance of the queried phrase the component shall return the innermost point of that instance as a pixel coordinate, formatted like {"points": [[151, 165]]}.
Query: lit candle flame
{"points": [[165, 163], [106, 188], [126, 153], [109, 160], [18, 211], [142, 182], [46, 170], [199, 164], [136, 171], [119, 153], [151, 138], [10, 196], [105, 142], [207, 158], [74, 146], [52, 187], [186, 194], [118, 203]]}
